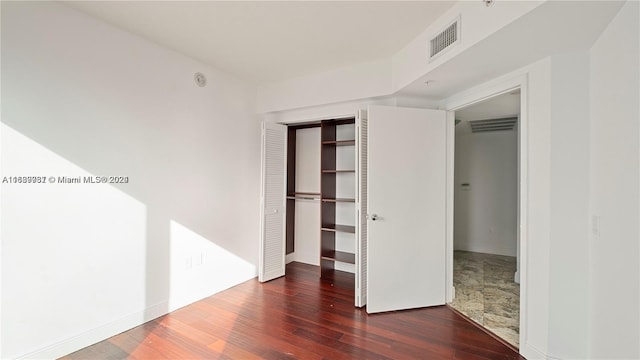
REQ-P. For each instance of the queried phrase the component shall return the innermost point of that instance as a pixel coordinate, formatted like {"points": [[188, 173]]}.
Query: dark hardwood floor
{"points": [[298, 317]]}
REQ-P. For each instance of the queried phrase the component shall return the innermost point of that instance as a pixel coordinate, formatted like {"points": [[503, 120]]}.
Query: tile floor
{"points": [[487, 293]]}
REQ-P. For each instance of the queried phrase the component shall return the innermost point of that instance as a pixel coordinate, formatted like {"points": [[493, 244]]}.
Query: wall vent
{"points": [[493, 124], [445, 39]]}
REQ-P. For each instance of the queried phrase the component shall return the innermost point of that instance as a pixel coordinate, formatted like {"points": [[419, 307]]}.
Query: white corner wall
{"points": [[615, 194], [534, 339], [569, 206], [582, 291], [485, 218], [82, 262]]}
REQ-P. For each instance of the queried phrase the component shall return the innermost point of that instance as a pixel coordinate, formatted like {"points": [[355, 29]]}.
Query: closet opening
{"points": [[486, 238], [321, 198]]}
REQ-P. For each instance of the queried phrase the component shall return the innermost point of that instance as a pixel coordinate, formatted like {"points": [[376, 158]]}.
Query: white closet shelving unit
{"points": [[338, 198]]}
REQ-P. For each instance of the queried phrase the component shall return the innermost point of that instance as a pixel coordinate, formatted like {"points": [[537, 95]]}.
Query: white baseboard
{"points": [[290, 257], [98, 334], [516, 277], [532, 353], [105, 331]]}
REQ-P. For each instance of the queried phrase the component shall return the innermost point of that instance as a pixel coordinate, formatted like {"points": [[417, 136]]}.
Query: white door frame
{"points": [[467, 98]]}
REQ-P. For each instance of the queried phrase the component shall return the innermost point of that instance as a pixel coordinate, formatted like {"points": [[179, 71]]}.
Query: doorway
{"points": [[486, 222]]}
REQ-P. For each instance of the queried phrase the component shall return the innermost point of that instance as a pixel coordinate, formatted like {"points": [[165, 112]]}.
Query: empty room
{"points": [[320, 179]]}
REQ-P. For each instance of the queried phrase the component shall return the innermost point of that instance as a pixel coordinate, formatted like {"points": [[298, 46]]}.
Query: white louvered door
{"points": [[273, 198], [361, 209]]}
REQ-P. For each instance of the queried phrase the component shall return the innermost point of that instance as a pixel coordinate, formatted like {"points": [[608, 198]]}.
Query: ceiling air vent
{"points": [[445, 39], [493, 124]]}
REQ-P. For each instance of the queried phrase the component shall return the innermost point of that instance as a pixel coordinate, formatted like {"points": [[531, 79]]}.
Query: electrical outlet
{"points": [[188, 263]]}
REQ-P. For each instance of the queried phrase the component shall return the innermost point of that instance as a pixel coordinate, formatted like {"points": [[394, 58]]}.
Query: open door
{"points": [[273, 202], [406, 238]]}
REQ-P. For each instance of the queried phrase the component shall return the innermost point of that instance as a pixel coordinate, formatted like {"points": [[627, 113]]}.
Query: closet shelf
{"points": [[339, 228], [338, 171], [338, 200], [339, 256], [339, 142], [303, 196]]}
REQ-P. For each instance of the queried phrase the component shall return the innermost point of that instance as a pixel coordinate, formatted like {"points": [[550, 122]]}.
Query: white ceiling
{"points": [[273, 40], [552, 28]]}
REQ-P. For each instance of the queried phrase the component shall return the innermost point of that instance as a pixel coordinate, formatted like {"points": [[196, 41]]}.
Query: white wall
{"points": [[534, 338], [536, 115], [383, 77], [307, 217], [615, 195], [554, 291], [350, 83], [479, 21], [81, 262], [582, 291], [569, 206], [485, 218]]}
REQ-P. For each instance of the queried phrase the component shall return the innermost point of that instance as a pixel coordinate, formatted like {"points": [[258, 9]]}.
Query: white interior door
{"points": [[273, 202], [406, 208]]}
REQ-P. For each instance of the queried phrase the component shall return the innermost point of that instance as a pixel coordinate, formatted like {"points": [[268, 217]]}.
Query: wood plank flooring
{"points": [[298, 317]]}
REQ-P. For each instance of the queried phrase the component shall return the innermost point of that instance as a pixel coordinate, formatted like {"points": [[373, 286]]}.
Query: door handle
{"points": [[373, 217]]}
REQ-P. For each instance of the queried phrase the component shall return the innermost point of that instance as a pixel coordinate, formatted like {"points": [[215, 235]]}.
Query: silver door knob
{"points": [[373, 217]]}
